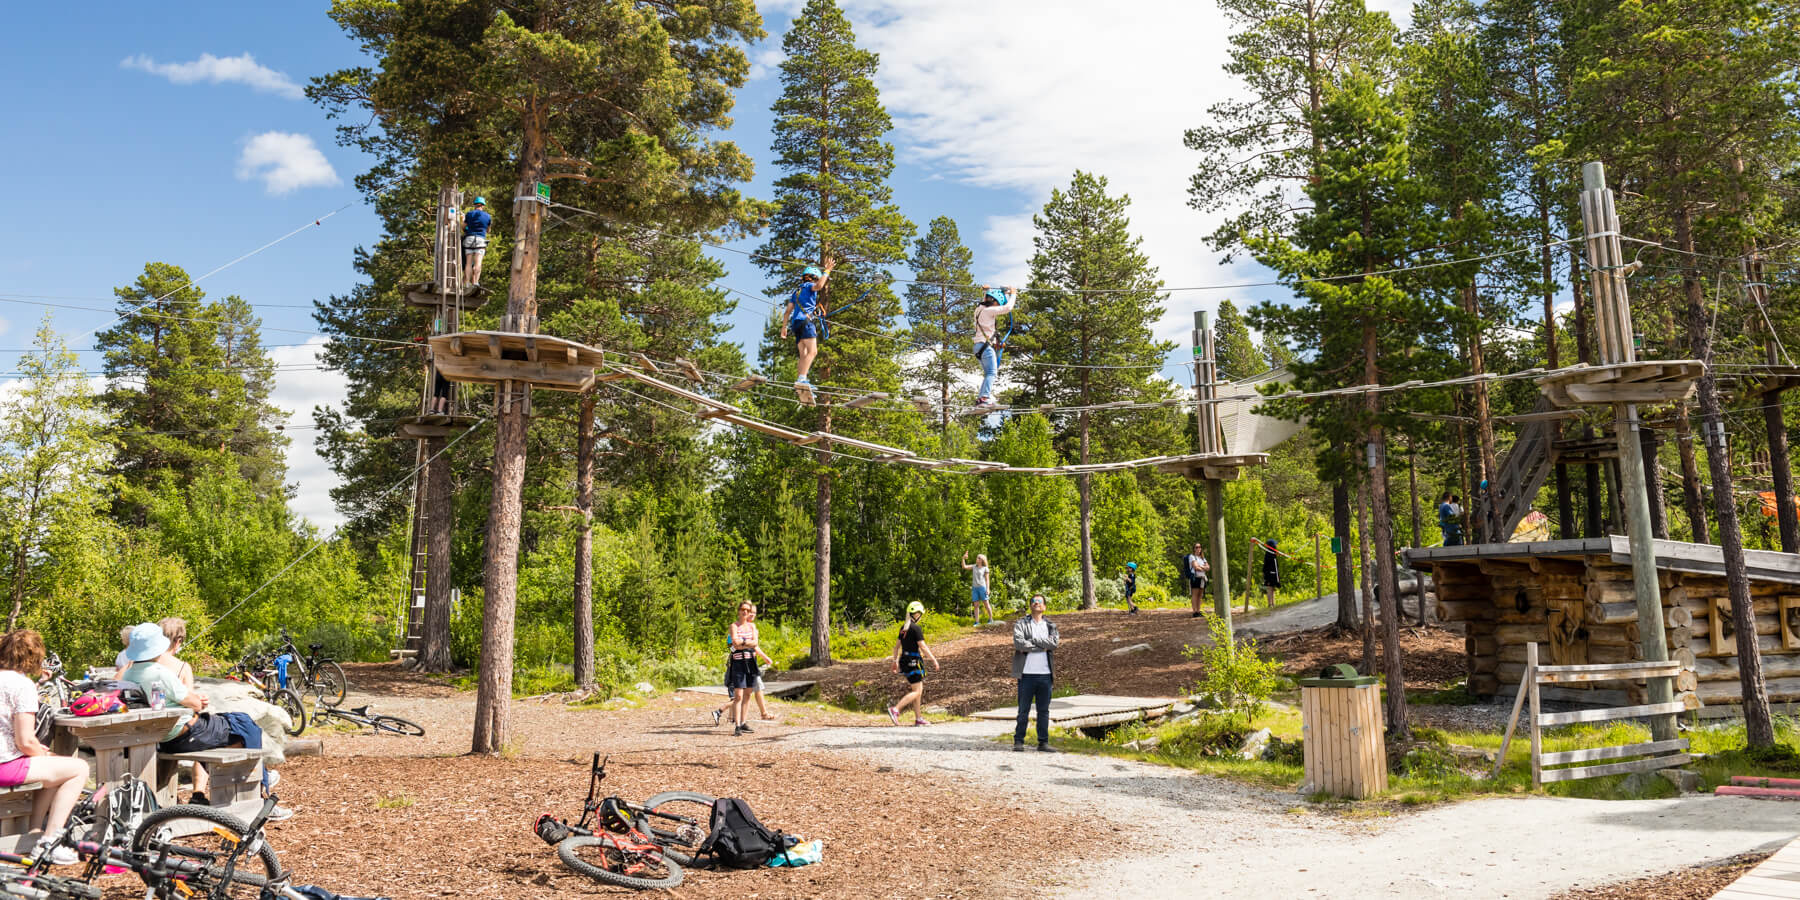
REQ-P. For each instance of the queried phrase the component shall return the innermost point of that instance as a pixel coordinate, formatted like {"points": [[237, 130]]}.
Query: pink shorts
{"points": [[13, 772]]}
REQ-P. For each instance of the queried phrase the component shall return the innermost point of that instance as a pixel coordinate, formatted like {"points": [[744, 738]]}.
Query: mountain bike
{"points": [[319, 674], [616, 842], [361, 716], [260, 673], [38, 886]]}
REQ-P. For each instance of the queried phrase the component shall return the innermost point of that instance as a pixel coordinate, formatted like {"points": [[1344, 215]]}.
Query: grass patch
{"points": [[1457, 694], [393, 801]]}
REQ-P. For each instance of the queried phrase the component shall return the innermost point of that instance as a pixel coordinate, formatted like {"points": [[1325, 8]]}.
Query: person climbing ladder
{"points": [[474, 242], [802, 308], [988, 344]]}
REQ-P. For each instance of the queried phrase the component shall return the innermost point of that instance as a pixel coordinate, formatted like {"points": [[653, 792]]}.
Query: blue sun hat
{"points": [[1131, 565], [147, 642], [480, 201]]}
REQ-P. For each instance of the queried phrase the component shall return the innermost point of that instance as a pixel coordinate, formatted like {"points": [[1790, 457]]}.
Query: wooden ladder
{"points": [[415, 582], [1527, 466]]}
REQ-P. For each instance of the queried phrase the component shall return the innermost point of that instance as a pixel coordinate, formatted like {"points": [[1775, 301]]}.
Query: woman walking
{"points": [[978, 592], [742, 672], [910, 653]]}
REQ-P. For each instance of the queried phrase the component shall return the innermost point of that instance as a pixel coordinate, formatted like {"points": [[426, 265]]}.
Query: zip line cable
{"points": [[320, 542]]}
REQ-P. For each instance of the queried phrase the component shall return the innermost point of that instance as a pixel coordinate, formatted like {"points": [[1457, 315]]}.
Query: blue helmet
{"points": [[997, 295], [1131, 565], [813, 271], [480, 201]]}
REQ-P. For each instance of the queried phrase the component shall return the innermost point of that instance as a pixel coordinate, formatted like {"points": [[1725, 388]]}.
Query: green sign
{"points": [[543, 192], [1337, 544]]}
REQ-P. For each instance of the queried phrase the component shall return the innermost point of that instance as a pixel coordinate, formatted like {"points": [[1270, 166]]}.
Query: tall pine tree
{"points": [[940, 308], [1237, 353]]}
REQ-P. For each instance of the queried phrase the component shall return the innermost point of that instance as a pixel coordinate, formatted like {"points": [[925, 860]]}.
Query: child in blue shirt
{"points": [[474, 242], [797, 315]]}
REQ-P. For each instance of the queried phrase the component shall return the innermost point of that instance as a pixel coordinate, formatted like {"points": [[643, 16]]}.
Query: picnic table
{"points": [[122, 742]]}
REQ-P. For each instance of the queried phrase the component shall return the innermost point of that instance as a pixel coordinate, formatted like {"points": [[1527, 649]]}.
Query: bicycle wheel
{"points": [[397, 725], [209, 835], [329, 682], [290, 703], [598, 857], [680, 840]]}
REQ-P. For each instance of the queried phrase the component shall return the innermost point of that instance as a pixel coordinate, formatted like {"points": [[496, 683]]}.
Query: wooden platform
{"points": [[1777, 877], [435, 426], [1212, 467], [1655, 381], [1674, 556], [1088, 710], [778, 689], [491, 357], [426, 293]]}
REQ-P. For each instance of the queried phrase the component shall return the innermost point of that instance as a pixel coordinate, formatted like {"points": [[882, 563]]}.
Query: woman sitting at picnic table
{"points": [[153, 667], [23, 758]]}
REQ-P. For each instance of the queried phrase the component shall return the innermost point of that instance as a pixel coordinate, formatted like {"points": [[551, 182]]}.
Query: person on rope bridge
{"points": [[474, 243], [799, 314], [988, 342]]}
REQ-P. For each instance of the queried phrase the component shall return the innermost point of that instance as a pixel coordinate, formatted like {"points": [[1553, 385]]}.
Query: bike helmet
{"points": [[996, 295], [812, 271], [480, 201], [1131, 565], [616, 816], [915, 607]]}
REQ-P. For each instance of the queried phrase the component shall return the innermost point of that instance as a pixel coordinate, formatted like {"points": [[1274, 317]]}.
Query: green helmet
{"points": [[915, 607]]}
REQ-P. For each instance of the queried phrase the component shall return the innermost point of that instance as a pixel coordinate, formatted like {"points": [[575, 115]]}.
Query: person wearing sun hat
{"points": [[910, 653]]}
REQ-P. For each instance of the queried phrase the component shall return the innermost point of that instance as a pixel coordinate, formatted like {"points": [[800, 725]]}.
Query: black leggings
{"points": [[1034, 689]]}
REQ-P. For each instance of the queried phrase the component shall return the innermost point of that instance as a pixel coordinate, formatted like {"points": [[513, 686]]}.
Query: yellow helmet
{"points": [[915, 607]]}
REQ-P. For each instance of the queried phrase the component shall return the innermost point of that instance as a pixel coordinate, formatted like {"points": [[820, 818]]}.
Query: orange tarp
{"points": [[1768, 502]]}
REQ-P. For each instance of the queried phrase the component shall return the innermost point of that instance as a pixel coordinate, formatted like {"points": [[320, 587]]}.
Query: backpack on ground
{"points": [[737, 840]]}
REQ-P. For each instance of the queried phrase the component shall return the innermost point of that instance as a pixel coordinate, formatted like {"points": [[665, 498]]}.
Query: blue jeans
{"points": [[990, 367], [1034, 689]]}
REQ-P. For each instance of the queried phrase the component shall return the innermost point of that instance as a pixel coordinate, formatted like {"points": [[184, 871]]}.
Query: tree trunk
{"points": [[1692, 496], [1590, 474], [1758, 726], [1484, 425], [434, 626], [1368, 595], [1653, 489], [1085, 482], [821, 624], [1782, 469], [18, 586], [1346, 571], [500, 570], [1382, 523], [1565, 504], [584, 545]]}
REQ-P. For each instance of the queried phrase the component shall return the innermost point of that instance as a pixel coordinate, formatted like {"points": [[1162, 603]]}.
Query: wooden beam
{"points": [[1575, 716], [749, 382], [531, 349], [690, 370], [1636, 765], [648, 363], [1591, 754], [480, 371], [1642, 392], [493, 345], [456, 347], [866, 399]]}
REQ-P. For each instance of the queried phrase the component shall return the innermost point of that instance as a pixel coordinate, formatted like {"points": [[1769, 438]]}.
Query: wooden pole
{"points": [[1529, 683], [1612, 308], [1318, 569], [1208, 440]]}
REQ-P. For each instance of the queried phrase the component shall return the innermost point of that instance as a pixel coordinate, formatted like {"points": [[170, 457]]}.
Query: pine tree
{"points": [[1368, 215], [53, 454], [833, 204], [1030, 519], [1236, 352], [1091, 304], [941, 311]]}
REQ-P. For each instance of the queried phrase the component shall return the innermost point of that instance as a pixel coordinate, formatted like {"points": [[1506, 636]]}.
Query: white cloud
{"points": [[285, 162], [297, 391], [243, 70], [766, 62]]}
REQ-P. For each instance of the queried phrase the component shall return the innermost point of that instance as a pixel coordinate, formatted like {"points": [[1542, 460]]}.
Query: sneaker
{"points": [[746, 729], [60, 855], [802, 379], [280, 814], [199, 799], [894, 715], [1046, 748], [717, 715], [1018, 746], [737, 729]]}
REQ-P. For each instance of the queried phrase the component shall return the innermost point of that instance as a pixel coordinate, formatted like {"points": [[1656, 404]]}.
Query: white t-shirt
{"points": [[1037, 662], [17, 694], [981, 575], [121, 662]]}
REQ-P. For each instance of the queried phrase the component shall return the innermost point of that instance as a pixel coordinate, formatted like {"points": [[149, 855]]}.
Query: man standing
{"points": [[1197, 570], [1034, 646], [474, 244]]}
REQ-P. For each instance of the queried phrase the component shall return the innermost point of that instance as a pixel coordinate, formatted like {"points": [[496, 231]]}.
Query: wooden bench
{"points": [[236, 775], [15, 811]]}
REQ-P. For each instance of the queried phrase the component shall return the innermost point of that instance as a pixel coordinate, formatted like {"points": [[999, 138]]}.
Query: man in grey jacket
{"points": [[1034, 646]]}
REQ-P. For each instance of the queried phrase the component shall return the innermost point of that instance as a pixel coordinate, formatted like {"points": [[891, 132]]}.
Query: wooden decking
{"points": [[491, 357], [1651, 381], [1675, 556], [1777, 877]]}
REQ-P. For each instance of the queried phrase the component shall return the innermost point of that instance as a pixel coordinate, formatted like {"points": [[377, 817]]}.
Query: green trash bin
{"points": [[1340, 716]]}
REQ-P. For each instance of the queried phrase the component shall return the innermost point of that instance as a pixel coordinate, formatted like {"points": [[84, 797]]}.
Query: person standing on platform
{"points": [[1447, 520], [475, 241], [1034, 666], [1131, 606], [1197, 570]]}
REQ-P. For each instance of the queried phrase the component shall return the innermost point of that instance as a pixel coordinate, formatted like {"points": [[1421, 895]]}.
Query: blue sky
{"points": [[150, 136]]}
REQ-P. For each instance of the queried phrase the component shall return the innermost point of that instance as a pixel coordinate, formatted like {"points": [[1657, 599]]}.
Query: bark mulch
{"points": [[1430, 657], [1692, 883]]}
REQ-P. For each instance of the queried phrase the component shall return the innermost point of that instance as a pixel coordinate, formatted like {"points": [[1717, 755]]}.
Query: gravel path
{"points": [[1246, 842]]}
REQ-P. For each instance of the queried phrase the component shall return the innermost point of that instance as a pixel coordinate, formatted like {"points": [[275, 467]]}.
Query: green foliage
{"points": [[1237, 354], [1031, 520], [940, 316], [104, 577], [1234, 672]]}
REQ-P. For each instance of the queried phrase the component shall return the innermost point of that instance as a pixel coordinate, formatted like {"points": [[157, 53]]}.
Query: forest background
{"points": [[1457, 138]]}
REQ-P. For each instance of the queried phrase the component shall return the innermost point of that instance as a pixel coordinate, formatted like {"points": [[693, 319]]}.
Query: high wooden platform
{"points": [[426, 293], [435, 426], [491, 357], [1212, 467], [1654, 381]]}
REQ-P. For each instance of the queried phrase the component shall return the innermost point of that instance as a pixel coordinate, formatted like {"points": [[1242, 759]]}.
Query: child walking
{"points": [[742, 673], [909, 655], [978, 592], [1131, 606]]}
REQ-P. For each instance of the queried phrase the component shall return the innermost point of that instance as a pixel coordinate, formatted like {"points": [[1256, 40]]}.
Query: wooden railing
{"points": [[1655, 754]]}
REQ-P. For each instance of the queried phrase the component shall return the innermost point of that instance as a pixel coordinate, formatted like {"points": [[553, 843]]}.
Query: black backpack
{"points": [[737, 840]]}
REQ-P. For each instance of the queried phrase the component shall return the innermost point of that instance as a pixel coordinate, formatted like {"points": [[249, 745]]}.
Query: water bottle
{"points": [[156, 697]]}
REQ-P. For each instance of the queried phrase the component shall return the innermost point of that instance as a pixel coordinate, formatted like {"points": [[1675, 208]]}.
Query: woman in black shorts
{"points": [[741, 671], [910, 653]]}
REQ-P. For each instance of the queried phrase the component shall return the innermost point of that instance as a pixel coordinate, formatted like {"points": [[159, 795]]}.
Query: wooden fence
{"points": [[1654, 754]]}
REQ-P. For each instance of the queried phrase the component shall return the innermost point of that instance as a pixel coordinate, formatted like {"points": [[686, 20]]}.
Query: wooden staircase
{"points": [[1523, 473]]}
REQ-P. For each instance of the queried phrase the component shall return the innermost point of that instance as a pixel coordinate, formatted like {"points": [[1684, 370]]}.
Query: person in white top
{"points": [[978, 592], [994, 304], [123, 662], [24, 758], [1034, 664]]}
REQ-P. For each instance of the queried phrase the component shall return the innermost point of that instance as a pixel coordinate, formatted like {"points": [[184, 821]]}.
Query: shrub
{"points": [[1235, 673]]}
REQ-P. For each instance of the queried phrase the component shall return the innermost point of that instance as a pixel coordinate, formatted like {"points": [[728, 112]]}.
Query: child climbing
{"points": [[1131, 606], [798, 315], [978, 591], [474, 242], [910, 654], [988, 344]]}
